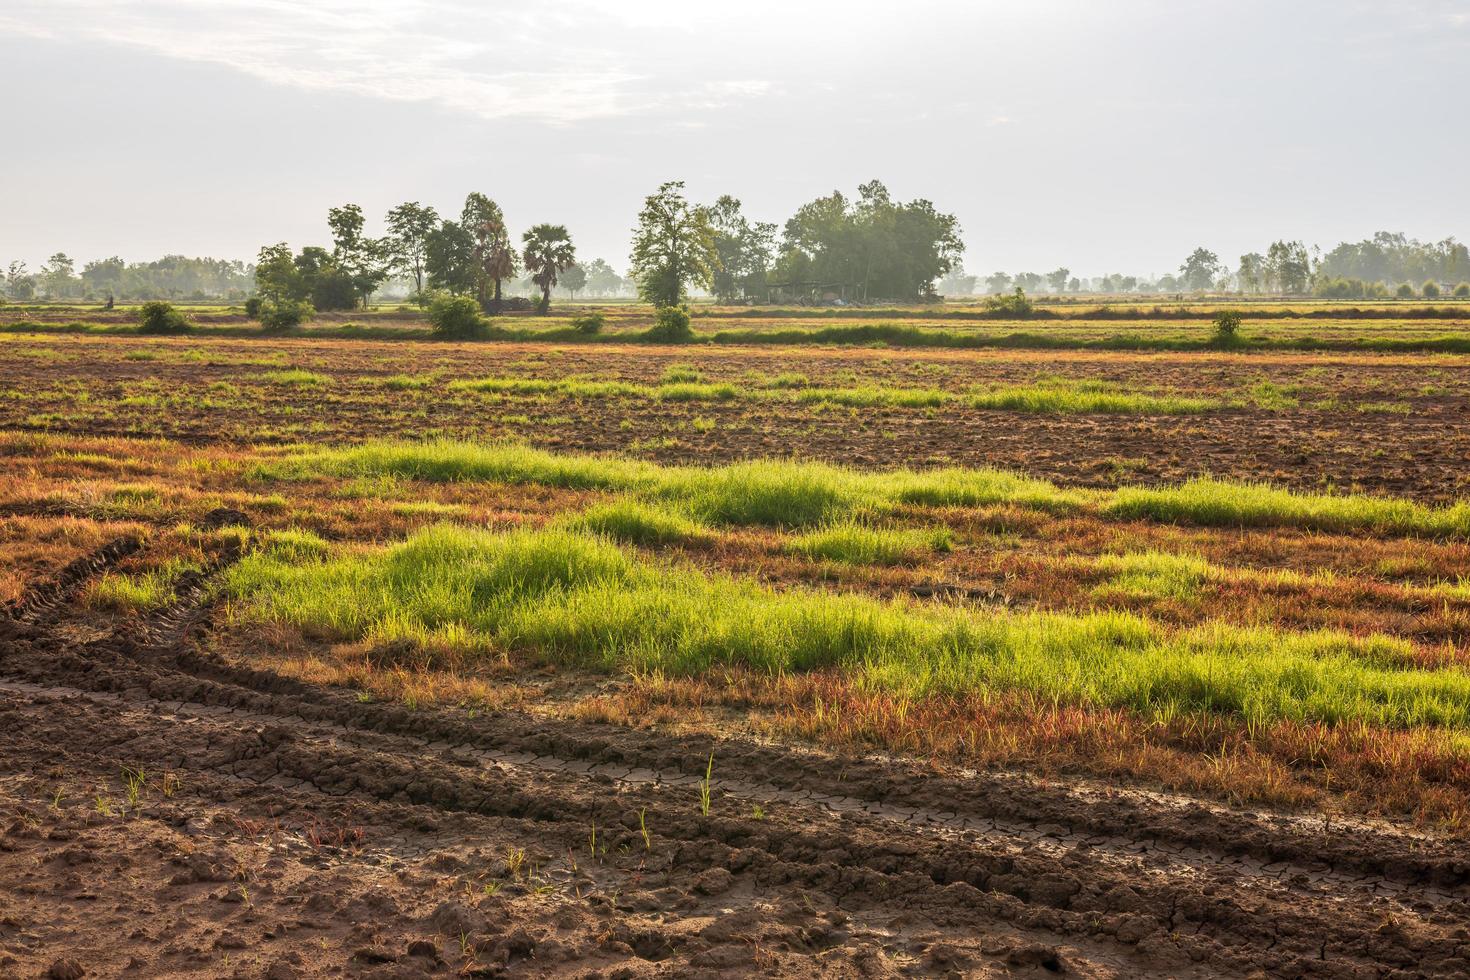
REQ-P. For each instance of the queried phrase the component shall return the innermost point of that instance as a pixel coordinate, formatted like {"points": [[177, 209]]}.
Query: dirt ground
{"points": [[169, 812]]}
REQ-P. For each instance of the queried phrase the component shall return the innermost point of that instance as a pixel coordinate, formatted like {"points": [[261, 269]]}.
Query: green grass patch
{"points": [[566, 597], [635, 522], [853, 543], [1152, 575], [296, 377]]}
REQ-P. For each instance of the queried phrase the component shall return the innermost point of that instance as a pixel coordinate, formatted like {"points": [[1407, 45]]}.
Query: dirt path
{"points": [[300, 831]]}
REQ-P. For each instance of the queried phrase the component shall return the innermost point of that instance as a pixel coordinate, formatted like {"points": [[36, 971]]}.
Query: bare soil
{"points": [[288, 830]]}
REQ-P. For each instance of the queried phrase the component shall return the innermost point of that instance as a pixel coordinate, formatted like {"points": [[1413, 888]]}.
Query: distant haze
{"points": [[1103, 136]]}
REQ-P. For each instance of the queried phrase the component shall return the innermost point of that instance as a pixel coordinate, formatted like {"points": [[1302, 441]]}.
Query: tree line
{"points": [[171, 277]]}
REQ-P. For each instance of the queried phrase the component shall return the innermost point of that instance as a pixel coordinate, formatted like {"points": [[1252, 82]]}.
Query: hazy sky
{"points": [[1105, 136]]}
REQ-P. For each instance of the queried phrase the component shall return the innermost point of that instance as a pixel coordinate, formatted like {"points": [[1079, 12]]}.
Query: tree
{"points": [[449, 259], [19, 284], [997, 283], [1028, 281], [361, 258], [673, 246], [492, 257], [409, 227], [1057, 280], [603, 279], [277, 279], [57, 277], [1200, 270], [1288, 267], [574, 279], [744, 251], [1251, 275], [548, 252]]}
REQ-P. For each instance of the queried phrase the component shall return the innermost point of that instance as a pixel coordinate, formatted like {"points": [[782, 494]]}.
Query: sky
{"points": [[1106, 137]]}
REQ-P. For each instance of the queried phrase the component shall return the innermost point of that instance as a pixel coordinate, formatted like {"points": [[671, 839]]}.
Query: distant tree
{"points": [[958, 283], [1405, 291], [1057, 279], [276, 277], [1462, 291], [57, 276], [744, 252], [324, 281], [997, 283], [574, 279], [673, 247], [19, 284], [1430, 289], [104, 275], [548, 253], [1288, 267], [1074, 285], [361, 258], [161, 318], [407, 245], [1127, 284], [1250, 277], [1029, 281], [603, 279], [1200, 270], [493, 257]]}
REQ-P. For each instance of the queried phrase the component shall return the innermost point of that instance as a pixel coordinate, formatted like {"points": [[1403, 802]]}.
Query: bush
{"points": [[457, 317], [286, 315], [162, 318], [1430, 289], [1462, 291], [671, 326], [591, 323], [252, 307], [1227, 327], [1405, 291], [1013, 304]]}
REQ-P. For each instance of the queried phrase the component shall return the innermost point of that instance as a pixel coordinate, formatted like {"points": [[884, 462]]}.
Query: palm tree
{"points": [[493, 257], [548, 253]]}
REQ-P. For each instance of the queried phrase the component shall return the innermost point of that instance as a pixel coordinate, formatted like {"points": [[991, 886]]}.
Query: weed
{"points": [[705, 786]]}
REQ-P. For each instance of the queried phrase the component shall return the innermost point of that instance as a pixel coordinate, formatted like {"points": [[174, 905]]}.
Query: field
{"points": [[1072, 644]]}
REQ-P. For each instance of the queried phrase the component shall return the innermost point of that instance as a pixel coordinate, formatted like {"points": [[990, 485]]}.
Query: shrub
{"points": [[671, 326], [1227, 327], [457, 317], [252, 307], [159, 317], [1462, 291], [1430, 289], [591, 323], [1405, 291], [285, 315], [1013, 304]]}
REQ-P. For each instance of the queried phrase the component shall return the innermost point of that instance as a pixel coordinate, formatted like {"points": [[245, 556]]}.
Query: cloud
{"points": [[565, 62]]}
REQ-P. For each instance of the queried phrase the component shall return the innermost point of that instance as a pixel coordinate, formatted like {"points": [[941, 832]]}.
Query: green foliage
{"points": [[1430, 289], [1227, 327], [1462, 291], [670, 326], [252, 307], [548, 253], [562, 597], [1011, 304], [1405, 291], [296, 377], [457, 318], [161, 318], [673, 247], [589, 323], [283, 315]]}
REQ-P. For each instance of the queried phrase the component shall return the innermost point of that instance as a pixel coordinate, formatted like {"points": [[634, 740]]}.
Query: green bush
{"points": [[1405, 291], [252, 307], [1227, 327], [162, 318], [286, 315], [671, 326], [457, 317], [1012, 304], [1462, 291], [591, 323], [1430, 289]]}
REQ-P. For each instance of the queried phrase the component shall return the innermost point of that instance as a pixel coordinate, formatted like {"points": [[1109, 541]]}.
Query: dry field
{"points": [[328, 655]]}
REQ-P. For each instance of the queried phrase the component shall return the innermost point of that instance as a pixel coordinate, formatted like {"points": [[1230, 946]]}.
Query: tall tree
{"points": [[57, 276], [449, 259], [548, 253], [1250, 276], [673, 246], [1289, 267], [494, 257], [574, 279], [409, 227], [1199, 270], [1057, 279], [997, 283], [360, 257], [744, 251], [19, 284]]}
